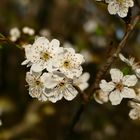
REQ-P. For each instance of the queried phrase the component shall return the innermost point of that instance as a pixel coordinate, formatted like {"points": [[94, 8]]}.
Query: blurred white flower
{"points": [[28, 30], [119, 87], [88, 56], [36, 85], [45, 33], [135, 111], [58, 86], [70, 63], [119, 7], [42, 54], [14, 34], [90, 26], [82, 81], [131, 62]]}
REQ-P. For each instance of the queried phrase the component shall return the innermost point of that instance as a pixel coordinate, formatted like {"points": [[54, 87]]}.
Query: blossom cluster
{"points": [[54, 70], [119, 7]]}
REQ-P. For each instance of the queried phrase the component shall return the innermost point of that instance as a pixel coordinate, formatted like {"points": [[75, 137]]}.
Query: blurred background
{"points": [[91, 30]]}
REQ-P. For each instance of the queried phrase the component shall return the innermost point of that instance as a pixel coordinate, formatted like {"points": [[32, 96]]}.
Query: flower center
{"points": [[119, 86], [45, 56], [62, 83], [38, 83], [66, 64]]}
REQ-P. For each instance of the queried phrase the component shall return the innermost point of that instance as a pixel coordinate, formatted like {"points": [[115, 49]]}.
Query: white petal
{"points": [[129, 3], [49, 66], [79, 59], [70, 93], [25, 62], [36, 74], [57, 95], [72, 72], [43, 97], [85, 77], [83, 86], [124, 59], [107, 86], [35, 92], [113, 8], [129, 80], [55, 44], [128, 93], [101, 97], [37, 67], [115, 97], [116, 75], [137, 71], [41, 42], [69, 50], [123, 11], [50, 80], [29, 78], [134, 114], [81, 82]]}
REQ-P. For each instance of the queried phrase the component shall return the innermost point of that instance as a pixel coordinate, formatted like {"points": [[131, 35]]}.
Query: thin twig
{"points": [[111, 59], [103, 70]]}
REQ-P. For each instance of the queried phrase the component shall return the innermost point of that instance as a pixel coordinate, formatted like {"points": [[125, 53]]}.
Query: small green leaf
{"points": [[126, 71]]}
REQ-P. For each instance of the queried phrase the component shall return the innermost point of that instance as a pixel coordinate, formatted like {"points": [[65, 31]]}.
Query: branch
{"points": [[111, 59], [102, 72], [3, 39]]}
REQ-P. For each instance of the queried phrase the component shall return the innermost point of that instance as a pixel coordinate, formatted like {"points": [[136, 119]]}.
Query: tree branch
{"points": [[111, 59], [103, 70]]}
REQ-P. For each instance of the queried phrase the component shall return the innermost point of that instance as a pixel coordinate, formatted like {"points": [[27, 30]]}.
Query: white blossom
{"points": [[70, 63], [55, 71], [28, 30], [135, 111], [82, 81], [90, 26], [119, 87], [14, 34], [59, 86], [43, 54], [131, 62], [119, 7], [45, 33], [36, 85]]}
